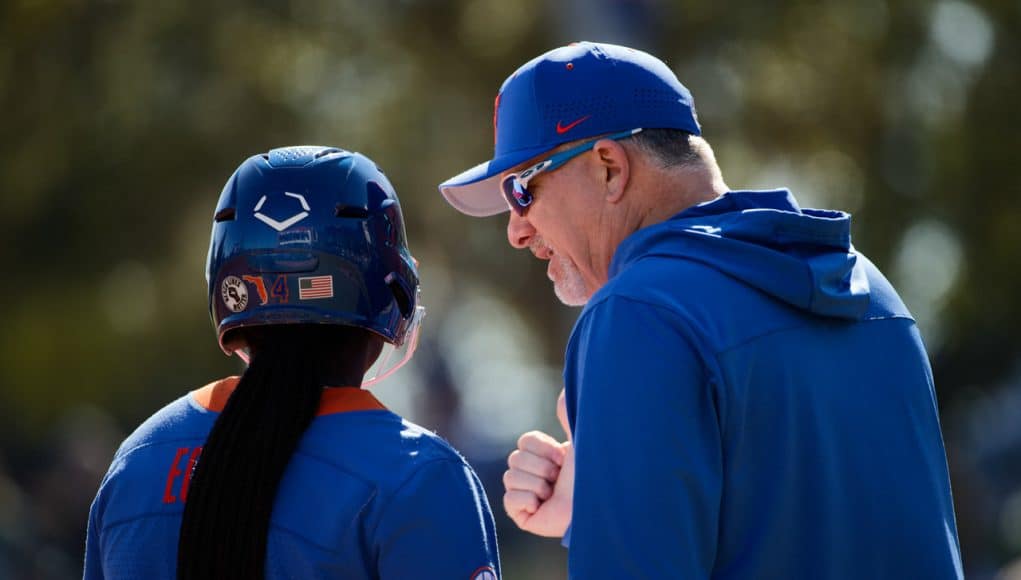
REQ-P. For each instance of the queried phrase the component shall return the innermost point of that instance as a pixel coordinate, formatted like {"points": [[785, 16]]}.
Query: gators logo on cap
{"points": [[484, 573]]}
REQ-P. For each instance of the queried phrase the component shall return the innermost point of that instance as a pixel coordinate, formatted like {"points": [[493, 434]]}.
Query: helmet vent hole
{"points": [[329, 151], [351, 211], [224, 215], [400, 294]]}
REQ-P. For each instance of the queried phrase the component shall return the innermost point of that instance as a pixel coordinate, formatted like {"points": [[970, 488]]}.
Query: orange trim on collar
{"points": [[213, 397], [346, 399]]}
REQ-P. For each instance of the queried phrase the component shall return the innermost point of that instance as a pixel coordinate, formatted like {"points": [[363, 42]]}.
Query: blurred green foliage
{"points": [[122, 120]]}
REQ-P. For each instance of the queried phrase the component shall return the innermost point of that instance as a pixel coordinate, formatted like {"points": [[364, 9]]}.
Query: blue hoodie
{"points": [[750, 398]]}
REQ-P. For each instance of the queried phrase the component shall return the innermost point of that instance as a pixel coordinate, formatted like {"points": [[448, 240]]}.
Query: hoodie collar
{"points": [[765, 239]]}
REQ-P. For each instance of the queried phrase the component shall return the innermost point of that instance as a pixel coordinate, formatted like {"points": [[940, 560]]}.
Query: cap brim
{"points": [[476, 192]]}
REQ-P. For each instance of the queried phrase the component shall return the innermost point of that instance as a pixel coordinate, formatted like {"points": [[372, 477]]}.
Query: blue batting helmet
{"points": [[310, 235]]}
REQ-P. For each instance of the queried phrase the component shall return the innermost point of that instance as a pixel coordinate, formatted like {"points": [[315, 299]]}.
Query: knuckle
{"points": [[527, 438], [519, 504], [514, 459]]}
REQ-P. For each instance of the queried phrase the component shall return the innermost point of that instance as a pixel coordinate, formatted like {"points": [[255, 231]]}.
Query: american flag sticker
{"points": [[313, 287]]}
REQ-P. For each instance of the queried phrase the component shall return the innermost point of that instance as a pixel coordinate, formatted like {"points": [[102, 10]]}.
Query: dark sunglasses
{"points": [[515, 185]]}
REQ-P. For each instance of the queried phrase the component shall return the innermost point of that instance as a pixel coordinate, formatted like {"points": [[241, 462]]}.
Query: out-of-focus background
{"points": [[122, 120]]}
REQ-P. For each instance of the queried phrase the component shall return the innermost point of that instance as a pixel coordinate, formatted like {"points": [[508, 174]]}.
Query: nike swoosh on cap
{"points": [[561, 129]]}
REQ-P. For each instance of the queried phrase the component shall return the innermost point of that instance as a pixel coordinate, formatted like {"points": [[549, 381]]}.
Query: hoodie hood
{"points": [[803, 257]]}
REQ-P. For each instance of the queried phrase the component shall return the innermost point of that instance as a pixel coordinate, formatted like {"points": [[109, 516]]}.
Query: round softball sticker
{"points": [[484, 573], [234, 293]]}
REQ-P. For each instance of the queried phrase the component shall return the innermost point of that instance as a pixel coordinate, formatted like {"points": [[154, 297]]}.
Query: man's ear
{"points": [[614, 168]]}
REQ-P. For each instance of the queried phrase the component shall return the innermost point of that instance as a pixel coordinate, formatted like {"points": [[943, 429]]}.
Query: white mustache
{"points": [[537, 245]]}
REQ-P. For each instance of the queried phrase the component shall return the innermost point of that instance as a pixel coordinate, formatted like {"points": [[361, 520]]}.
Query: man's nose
{"points": [[519, 231]]}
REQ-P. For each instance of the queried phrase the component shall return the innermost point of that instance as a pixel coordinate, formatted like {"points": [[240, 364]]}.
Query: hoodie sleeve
{"points": [[439, 525], [647, 444]]}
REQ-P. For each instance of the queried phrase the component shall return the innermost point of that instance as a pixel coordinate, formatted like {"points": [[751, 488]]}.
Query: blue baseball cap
{"points": [[581, 90]]}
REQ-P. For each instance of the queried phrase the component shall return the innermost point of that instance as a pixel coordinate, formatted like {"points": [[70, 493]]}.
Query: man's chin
{"points": [[568, 283], [570, 296]]}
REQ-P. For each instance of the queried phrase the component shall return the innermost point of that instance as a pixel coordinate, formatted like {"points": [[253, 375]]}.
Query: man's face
{"points": [[558, 227]]}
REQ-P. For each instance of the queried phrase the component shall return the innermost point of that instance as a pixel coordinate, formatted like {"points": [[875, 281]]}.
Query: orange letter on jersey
{"points": [[172, 475]]}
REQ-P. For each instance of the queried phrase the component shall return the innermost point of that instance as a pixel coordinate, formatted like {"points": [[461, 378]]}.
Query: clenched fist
{"points": [[540, 481]]}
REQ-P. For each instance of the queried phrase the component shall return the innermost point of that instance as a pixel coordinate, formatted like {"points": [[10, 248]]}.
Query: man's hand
{"points": [[540, 482]]}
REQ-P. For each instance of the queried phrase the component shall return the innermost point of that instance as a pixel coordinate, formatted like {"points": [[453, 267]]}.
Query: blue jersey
{"points": [[750, 398], [365, 495]]}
